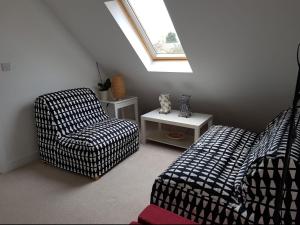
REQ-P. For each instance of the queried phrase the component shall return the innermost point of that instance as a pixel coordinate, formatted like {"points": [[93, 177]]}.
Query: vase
{"points": [[118, 86], [103, 95], [165, 103], [185, 107]]}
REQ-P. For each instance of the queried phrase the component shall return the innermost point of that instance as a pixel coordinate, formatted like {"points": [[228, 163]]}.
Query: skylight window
{"points": [[154, 26]]}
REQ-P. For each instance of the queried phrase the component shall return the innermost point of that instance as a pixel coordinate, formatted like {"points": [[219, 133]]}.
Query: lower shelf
{"points": [[161, 136]]}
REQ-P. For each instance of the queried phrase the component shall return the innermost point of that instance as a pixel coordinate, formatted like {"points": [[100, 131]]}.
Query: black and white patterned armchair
{"points": [[232, 176], [75, 134]]}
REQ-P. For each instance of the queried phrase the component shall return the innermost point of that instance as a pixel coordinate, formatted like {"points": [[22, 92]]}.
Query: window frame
{"points": [[141, 33]]}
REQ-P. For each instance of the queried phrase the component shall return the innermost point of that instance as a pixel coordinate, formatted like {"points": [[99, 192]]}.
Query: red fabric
{"points": [[155, 215], [134, 223]]}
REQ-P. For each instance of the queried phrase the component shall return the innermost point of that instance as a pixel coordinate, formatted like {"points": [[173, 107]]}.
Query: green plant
{"points": [[171, 38], [104, 86]]}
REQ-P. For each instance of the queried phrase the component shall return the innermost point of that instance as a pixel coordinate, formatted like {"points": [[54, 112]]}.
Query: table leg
{"points": [[143, 131], [210, 123], [116, 112], [196, 134], [136, 112]]}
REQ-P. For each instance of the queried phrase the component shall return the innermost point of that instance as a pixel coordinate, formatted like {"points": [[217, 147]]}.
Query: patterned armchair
{"points": [[232, 176], [75, 134]]}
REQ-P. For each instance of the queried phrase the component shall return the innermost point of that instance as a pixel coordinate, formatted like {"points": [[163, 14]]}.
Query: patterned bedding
{"points": [[230, 176]]}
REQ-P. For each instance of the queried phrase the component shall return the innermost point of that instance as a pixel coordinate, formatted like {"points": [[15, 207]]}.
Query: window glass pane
{"points": [[157, 24]]}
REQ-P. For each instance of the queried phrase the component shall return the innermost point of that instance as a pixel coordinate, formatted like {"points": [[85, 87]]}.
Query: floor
{"points": [[38, 193]]}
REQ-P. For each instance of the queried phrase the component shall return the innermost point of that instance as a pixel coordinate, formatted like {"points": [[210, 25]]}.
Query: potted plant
{"points": [[103, 89], [103, 86]]}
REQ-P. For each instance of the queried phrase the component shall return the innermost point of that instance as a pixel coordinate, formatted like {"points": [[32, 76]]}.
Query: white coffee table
{"points": [[195, 122]]}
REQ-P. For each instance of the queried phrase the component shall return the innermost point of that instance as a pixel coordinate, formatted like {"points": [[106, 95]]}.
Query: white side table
{"points": [[195, 122], [119, 104]]}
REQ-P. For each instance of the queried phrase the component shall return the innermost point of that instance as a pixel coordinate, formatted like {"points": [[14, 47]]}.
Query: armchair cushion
{"points": [[100, 135]]}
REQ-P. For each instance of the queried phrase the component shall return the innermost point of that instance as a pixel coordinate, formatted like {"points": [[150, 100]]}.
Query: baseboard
{"points": [[19, 162]]}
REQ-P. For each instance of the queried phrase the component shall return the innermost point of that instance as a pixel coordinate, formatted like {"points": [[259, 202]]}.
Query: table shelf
{"points": [[162, 137]]}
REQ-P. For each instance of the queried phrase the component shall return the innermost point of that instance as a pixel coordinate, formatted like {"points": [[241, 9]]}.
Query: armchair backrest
{"points": [[72, 110]]}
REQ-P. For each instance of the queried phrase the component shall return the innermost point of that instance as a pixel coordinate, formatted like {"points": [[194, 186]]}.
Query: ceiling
{"points": [[243, 54]]}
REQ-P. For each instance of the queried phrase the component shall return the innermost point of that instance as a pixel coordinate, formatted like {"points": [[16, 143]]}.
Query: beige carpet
{"points": [[39, 193]]}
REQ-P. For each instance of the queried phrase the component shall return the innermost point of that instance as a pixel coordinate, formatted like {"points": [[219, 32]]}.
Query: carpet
{"points": [[38, 193]]}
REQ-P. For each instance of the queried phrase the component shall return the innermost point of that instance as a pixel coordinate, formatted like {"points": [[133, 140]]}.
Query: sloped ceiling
{"points": [[242, 54]]}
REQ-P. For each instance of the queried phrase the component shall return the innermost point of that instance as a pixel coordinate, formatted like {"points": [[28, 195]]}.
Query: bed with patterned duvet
{"points": [[231, 176]]}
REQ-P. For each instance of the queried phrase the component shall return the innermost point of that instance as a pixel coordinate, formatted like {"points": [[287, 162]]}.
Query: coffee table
{"points": [[195, 122]]}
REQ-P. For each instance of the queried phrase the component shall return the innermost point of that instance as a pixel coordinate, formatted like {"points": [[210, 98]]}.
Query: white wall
{"points": [[242, 54], [44, 58]]}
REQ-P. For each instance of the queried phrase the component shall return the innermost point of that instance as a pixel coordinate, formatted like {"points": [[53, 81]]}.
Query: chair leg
{"points": [[96, 178]]}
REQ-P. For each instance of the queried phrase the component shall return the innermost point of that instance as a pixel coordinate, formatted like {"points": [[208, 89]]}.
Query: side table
{"points": [[120, 104]]}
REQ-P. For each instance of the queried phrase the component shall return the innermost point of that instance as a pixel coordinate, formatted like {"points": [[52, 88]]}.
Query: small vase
{"points": [[103, 95], [185, 107], [165, 103], [118, 87]]}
